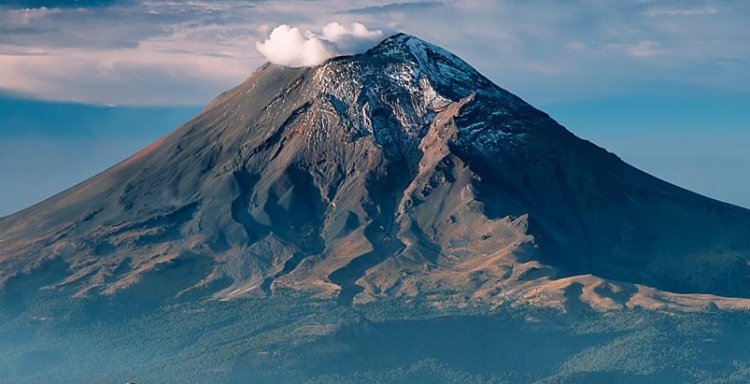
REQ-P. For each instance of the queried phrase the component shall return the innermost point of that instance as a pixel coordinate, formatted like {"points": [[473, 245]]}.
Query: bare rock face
{"points": [[401, 172]]}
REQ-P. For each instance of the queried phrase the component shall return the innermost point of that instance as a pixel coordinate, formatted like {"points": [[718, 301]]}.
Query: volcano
{"points": [[396, 178]]}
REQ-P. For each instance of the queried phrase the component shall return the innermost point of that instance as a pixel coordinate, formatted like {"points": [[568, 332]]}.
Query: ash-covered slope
{"points": [[401, 172]]}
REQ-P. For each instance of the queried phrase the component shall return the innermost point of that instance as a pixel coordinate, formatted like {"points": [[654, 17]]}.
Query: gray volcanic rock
{"points": [[398, 173]]}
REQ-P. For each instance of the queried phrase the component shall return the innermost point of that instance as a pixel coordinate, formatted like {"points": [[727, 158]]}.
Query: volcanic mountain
{"points": [[401, 172], [387, 217]]}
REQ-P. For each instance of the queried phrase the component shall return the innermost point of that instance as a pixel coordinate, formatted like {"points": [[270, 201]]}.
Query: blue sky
{"points": [[664, 84]]}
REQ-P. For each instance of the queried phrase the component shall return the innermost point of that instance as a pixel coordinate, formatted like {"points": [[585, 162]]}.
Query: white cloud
{"points": [[291, 47]]}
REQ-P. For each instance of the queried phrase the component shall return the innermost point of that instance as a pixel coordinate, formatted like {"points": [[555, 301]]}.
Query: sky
{"points": [[664, 84]]}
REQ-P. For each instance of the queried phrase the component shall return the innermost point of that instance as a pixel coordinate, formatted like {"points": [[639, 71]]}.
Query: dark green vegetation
{"points": [[305, 340]]}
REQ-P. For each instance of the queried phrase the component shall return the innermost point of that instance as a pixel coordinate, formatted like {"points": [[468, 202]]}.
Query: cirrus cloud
{"points": [[292, 47]]}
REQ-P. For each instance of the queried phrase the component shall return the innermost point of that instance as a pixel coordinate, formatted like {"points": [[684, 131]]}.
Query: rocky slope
{"points": [[398, 173]]}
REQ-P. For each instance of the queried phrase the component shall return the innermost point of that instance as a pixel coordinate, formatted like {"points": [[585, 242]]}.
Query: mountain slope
{"points": [[398, 173]]}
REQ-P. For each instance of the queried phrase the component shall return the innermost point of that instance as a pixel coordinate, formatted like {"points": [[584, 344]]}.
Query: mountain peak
{"points": [[400, 41], [415, 64], [438, 64], [405, 43]]}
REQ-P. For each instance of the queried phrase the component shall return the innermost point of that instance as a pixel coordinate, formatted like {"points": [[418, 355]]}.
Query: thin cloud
{"points": [[394, 7], [681, 11], [102, 77], [24, 17], [645, 48]]}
